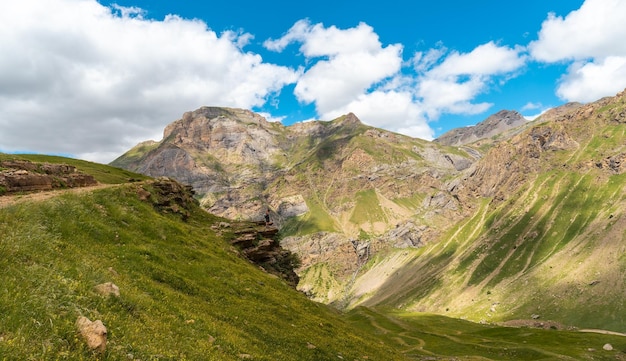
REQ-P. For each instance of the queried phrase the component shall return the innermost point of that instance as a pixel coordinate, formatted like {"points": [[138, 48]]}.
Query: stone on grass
{"points": [[93, 333], [108, 289]]}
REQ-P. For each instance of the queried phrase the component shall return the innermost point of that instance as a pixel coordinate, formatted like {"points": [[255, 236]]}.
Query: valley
{"points": [[503, 248], [524, 220]]}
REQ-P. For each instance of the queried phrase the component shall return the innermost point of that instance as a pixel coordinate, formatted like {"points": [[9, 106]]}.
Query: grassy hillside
{"points": [[102, 173], [423, 336], [185, 293], [554, 249]]}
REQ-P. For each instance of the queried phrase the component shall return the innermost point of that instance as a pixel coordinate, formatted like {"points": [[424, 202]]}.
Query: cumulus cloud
{"points": [[92, 81], [351, 71], [485, 60], [95, 80], [393, 110], [449, 82], [592, 39], [589, 81], [347, 62]]}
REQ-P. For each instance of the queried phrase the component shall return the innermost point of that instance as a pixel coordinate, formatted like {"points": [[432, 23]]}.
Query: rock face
{"points": [[25, 176], [259, 244], [327, 182], [168, 196], [239, 164]]}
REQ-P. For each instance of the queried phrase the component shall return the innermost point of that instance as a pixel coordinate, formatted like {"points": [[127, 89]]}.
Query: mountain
{"points": [[494, 125], [328, 184], [160, 279], [522, 225], [547, 240]]}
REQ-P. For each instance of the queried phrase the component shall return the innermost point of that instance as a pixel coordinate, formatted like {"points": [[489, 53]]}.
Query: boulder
{"points": [[93, 333], [107, 289]]}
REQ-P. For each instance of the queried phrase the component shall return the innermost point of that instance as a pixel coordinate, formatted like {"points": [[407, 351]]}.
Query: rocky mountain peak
{"points": [[495, 124], [349, 119], [340, 192], [208, 125]]}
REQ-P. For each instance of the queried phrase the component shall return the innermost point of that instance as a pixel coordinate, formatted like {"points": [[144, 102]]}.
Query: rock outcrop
{"points": [[259, 244], [25, 176], [168, 196], [107, 289]]}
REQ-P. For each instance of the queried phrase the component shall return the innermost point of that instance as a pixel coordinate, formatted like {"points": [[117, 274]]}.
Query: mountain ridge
{"points": [[341, 192], [184, 293], [494, 125]]}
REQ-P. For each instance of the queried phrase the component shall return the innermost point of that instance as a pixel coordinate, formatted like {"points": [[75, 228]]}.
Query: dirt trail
{"points": [[11, 199], [605, 332]]}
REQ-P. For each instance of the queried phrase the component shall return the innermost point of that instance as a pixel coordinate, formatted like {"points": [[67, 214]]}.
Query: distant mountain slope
{"points": [[495, 124], [326, 183], [480, 231], [547, 242]]}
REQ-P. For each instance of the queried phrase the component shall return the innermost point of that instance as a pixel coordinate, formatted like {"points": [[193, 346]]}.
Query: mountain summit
{"points": [[495, 124]]}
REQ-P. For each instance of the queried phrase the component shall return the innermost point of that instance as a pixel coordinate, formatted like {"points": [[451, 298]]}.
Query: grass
{"points": [[185, 293], [423, 336], [102, 173], [134, 154], [315, 220], [367, 208]]}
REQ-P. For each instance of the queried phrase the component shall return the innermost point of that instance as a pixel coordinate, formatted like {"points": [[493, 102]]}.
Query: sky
{"points": [[90, 79]]}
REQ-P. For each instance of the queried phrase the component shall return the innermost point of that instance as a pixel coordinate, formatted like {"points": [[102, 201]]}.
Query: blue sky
{"points": [[91, 79]]}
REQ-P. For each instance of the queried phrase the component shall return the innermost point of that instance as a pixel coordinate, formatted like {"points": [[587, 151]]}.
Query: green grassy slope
{"points": [[553, 250], [423, 336], [185, 293]]}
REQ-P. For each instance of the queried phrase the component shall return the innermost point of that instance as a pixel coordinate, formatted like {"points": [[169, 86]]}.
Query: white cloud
{"points": [[351, 71], [93, 81], [532, 117], [346, 63], [422, 61], [392, 110], [596, 30], [450, 82], [591, 37], [452, 95], [485, 60], [590, 81], [532, 106]]}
